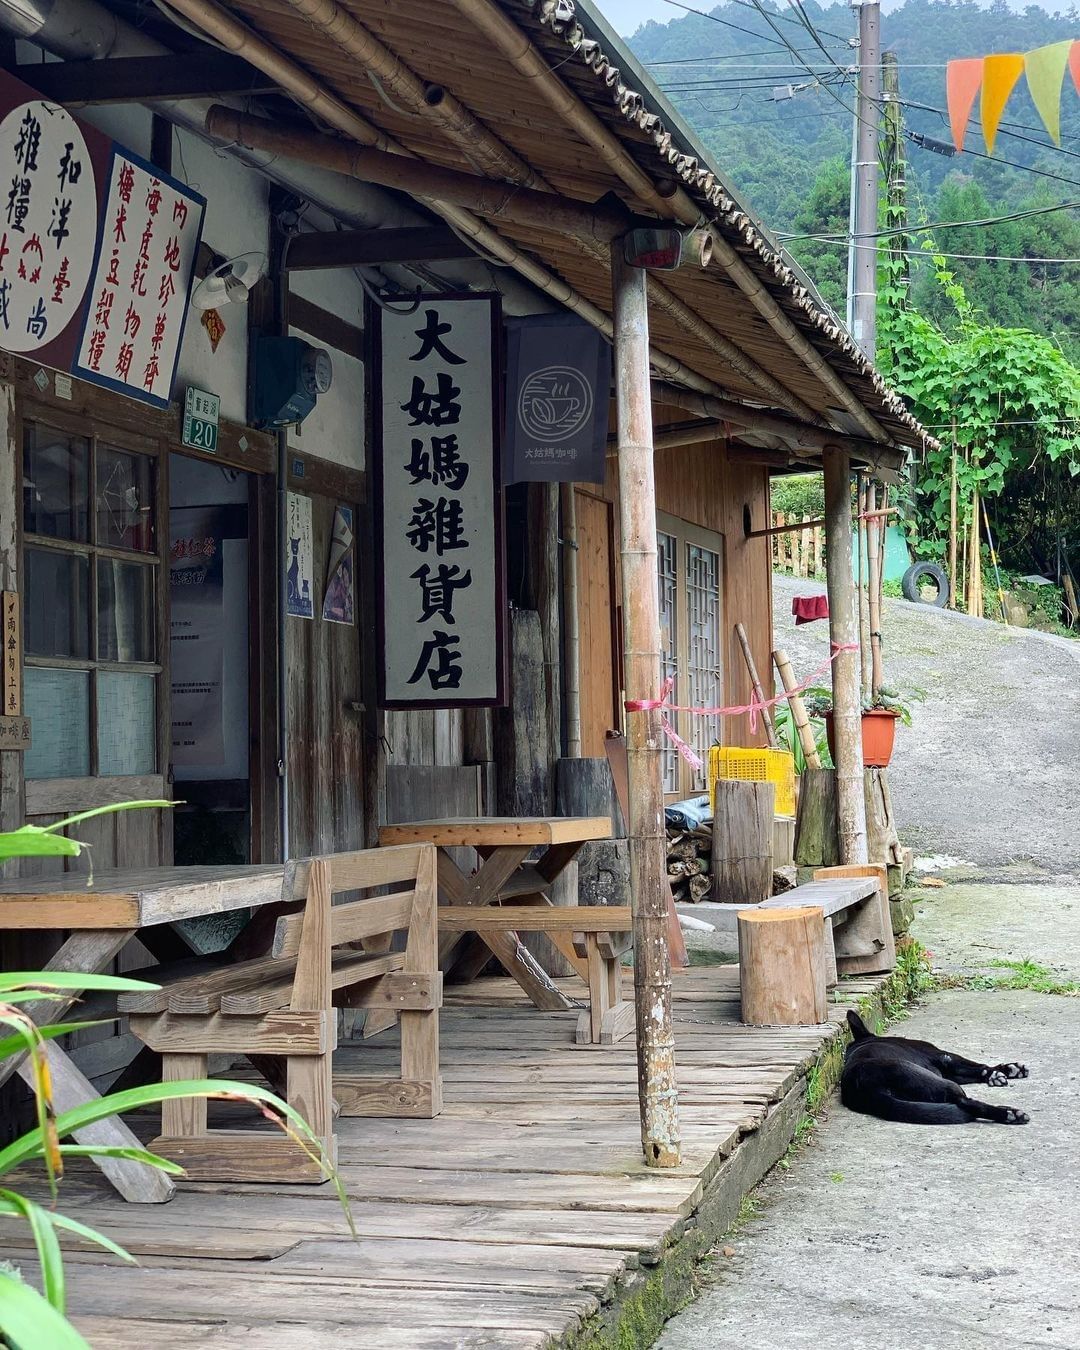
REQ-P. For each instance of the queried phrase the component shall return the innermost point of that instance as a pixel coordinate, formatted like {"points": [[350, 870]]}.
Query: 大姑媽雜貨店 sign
{"points": [[97, 250], [438, 503]]}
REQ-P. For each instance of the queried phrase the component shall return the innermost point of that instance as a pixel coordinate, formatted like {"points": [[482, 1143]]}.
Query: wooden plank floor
{"points": [[504, 1222]]}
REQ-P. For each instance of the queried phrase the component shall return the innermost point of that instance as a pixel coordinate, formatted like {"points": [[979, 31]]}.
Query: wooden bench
{"points": [[281, 1008], [591, 937], [858, 924]]}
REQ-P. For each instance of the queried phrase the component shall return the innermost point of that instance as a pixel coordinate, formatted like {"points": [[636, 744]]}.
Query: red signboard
{"points": [[97, 250]]}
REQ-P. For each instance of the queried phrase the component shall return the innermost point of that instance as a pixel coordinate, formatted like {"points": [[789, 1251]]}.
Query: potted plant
{"points": [[880, 715]]}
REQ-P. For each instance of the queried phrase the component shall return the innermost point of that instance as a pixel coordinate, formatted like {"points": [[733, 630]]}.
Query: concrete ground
{"points": [[986, 773], [900, 1237]]}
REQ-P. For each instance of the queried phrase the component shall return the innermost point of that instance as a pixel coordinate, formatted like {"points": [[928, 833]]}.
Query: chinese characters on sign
{"points": [[299, 558], [139, 293], [97, 250], [48, 224], [439, 505], [12, 655]]}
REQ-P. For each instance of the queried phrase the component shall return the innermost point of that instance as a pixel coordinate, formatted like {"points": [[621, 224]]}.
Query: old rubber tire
{"points": [[926, 571]]}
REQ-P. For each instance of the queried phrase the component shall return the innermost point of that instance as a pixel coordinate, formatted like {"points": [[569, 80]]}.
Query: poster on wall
{"points": [[299, 558], [558, 388], [197, 636], [438, 504], [338, 602], [97, 250]]}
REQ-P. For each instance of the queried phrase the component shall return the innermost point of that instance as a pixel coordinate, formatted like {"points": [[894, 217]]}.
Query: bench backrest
{"points": [[410, 868]]}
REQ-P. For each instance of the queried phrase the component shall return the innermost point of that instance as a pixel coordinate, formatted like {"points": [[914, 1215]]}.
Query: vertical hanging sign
{"points": [[438, 503], [97, 250]]}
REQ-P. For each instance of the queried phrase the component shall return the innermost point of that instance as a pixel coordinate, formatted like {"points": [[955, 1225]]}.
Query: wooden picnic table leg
{"points": [[482, 889], [88, 950]]}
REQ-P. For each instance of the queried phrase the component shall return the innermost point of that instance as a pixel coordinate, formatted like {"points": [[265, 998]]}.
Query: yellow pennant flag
{"points": [[1045, 70], [1000, 74]]}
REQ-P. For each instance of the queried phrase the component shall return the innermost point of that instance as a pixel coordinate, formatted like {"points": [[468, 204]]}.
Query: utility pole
{"points": [[895, 175], [863, 244]]}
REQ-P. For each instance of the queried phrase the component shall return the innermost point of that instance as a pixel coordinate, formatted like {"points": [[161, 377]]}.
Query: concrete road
{"points": [[985, 775], [903, 1237]]}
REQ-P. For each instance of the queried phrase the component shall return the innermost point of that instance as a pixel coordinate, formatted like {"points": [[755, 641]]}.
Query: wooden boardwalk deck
{"points": [[507, 1222]]}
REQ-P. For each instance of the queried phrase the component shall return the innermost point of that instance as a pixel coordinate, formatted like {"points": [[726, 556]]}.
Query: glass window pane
{"points": [[57, 604], [55, 482], [669, 643], [125, 500], [125, 723], [125, 611], [58, 705], [703, 648]]}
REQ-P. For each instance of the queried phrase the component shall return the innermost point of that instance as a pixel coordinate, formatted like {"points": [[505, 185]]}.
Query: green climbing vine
{"points": [[1005, 398]]}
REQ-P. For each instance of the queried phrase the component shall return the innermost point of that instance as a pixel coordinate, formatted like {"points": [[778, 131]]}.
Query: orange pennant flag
{"points": [[1074, 65], [1045, 70], [962, 80], [1000, 74]]}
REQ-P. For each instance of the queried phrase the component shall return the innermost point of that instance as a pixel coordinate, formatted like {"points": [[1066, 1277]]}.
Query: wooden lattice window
{"points": [[92, 608], [690, 568]]}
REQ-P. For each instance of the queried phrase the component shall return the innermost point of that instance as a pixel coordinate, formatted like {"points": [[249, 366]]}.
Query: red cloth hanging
{"points": [[807, 608]]}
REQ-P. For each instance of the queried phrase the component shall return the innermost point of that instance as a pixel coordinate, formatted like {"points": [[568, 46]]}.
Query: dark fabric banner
{"points": [[558, 381]]}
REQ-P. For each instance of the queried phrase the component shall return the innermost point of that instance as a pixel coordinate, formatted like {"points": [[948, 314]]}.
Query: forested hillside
{"points": [[773, 97]]}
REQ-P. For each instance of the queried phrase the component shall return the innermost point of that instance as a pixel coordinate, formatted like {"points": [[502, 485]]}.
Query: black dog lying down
{"points": [[915, 1082]]}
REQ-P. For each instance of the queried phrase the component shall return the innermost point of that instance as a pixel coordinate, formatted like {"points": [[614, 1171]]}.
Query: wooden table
{"points": [[504, 844], [99, 920]]}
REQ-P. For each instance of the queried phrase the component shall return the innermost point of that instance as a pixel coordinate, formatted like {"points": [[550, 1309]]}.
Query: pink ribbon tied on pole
{"points": [[753, 708]]}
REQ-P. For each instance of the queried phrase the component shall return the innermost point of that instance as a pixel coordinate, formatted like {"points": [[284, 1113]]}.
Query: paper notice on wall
{"points": [[197, 638], [338, 603], [299, 558]]}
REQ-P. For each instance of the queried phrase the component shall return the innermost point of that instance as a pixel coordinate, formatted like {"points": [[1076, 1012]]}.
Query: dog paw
{"points": [[997, 1078], [1014, 1117], [1012, 1070]]}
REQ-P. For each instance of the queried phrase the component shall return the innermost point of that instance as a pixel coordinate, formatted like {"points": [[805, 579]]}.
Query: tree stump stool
{"points": [[782, 966]]}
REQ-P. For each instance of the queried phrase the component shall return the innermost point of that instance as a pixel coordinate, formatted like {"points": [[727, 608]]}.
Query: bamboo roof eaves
{"points": [[433, 38]]}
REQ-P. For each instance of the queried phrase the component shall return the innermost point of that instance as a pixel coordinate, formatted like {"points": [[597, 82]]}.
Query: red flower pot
{"points": [[878, 735]]}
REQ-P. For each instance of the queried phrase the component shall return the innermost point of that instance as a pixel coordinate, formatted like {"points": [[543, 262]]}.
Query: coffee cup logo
{"points": [[554, 403]]}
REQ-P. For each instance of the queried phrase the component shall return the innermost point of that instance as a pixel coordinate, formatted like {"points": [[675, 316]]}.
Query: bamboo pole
{"points": [[803, 728], [952, 525], [571, 621], [844, 631], [657, 1088], [860, 584], [874, 536], [759, 693]]}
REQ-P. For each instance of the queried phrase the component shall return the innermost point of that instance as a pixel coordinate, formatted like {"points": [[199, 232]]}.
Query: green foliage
{"points": [[1002, 398], [801, 494], [786, 734]]}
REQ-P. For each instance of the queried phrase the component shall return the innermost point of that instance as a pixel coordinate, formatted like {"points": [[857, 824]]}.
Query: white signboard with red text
{"points": [[97, 250]]}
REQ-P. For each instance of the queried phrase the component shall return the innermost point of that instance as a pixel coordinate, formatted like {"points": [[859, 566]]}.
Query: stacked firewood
{"points": [[689, 860]]}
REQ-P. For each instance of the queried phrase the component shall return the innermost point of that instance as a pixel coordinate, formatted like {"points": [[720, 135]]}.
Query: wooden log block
{"points": [[742, 855], [883, 842], [782, 966], [816, 843]]}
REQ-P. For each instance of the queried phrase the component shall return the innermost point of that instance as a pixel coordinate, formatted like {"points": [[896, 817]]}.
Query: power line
{"points": [[935, 225], [748, 4], [930, 254]]}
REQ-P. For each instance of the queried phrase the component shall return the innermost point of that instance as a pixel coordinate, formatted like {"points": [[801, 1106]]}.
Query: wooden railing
{"points": [[800, 551]]}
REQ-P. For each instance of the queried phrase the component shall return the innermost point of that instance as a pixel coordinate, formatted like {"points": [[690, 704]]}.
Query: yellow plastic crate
{"points": [[755, 766]]}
